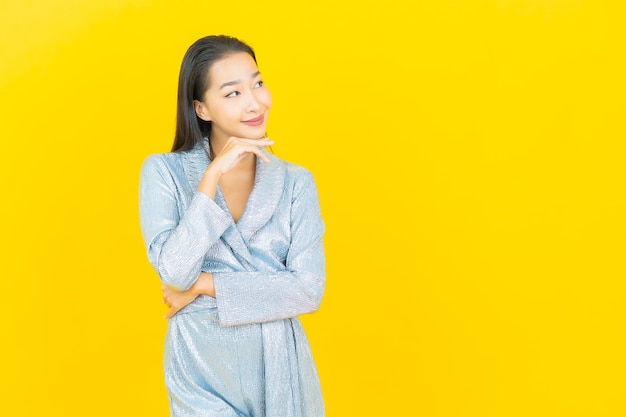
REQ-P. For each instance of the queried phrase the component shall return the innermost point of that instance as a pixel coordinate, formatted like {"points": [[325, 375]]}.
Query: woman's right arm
{"points": [[176, 244]]}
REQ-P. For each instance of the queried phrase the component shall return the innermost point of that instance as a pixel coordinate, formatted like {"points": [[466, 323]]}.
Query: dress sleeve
{"points": [[176, 243], [261, 296]]}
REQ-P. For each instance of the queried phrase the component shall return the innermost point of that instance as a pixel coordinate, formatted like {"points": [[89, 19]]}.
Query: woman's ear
{"points": [[201, 110]]}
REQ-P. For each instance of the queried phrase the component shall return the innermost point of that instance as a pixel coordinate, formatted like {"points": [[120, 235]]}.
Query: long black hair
{"points": [[193, 82]]}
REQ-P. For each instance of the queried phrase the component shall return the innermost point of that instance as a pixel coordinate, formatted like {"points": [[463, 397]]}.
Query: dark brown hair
{"points": [[193, 82]]}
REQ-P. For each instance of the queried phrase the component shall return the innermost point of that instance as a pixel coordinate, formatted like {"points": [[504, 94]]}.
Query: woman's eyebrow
{"points": [[234, 82]]}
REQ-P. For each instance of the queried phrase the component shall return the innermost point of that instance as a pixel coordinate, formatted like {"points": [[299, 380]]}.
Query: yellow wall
{"points": [[470, 162]]}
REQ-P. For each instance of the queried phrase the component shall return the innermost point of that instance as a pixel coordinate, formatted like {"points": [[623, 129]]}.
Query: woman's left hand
{"points": [[176, 300]]}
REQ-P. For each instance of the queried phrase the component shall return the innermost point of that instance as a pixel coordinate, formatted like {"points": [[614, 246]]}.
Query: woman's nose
{"points": [[253, 104]]}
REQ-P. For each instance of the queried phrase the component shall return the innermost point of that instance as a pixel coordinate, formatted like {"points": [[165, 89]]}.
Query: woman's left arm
{"points": [[261, 296]]}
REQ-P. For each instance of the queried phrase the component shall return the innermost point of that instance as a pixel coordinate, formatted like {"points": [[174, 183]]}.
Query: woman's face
{"points": [[237, 102]]}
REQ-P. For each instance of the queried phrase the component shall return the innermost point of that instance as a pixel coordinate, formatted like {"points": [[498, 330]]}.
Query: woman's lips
{"points": [[257, 121]]}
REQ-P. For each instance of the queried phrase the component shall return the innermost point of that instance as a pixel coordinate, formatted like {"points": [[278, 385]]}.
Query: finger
{"points": [[257, 142], [170, 313], [263, 157], [243, 149], [244, 146], [258, 152]]}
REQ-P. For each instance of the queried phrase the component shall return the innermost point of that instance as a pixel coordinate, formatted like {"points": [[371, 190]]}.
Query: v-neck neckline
{"points": [[269, 183], [221, 200]]}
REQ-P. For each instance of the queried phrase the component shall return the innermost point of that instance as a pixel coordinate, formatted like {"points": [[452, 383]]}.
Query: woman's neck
{"points": [[215, 146]]}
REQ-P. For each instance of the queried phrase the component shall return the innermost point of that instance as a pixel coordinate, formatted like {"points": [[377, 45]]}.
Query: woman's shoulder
{"points": [[163, 158], [297, 176], [161, 164], [292, 170]]}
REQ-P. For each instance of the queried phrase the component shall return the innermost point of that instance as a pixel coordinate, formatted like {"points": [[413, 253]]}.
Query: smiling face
{"points": [[237, 102]]}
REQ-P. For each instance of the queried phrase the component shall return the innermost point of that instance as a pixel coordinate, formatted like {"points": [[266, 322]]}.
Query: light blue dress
{"points": [[243, 353]]}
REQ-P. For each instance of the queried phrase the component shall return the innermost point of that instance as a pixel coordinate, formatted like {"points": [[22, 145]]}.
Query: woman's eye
{"points": [[258, 84], [233, 94]]}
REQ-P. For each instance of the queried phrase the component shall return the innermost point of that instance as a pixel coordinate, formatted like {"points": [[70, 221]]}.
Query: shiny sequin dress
{"points": [[243, 353]]}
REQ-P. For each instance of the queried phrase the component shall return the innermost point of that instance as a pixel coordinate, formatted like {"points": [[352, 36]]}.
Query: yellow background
{"points": [[470, 163]]}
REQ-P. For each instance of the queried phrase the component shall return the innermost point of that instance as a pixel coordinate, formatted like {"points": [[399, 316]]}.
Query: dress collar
{"points": [[268, 187]]}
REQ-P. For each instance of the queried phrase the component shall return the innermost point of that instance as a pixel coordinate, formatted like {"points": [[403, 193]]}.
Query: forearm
{"points": [[177, 233], [209, 181], [256, 297], [260, 296], [179, 253], [204, 285]]}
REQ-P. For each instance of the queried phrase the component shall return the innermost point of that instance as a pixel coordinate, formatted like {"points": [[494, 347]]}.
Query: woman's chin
{"points": [[259, 136]]}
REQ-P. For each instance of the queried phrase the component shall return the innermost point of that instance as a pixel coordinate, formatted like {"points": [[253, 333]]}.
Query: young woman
{"points": [[235, 235]]}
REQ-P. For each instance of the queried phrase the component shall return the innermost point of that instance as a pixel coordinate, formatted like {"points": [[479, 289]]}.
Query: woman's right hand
{"points": [[237, 149], [233, 152]]}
